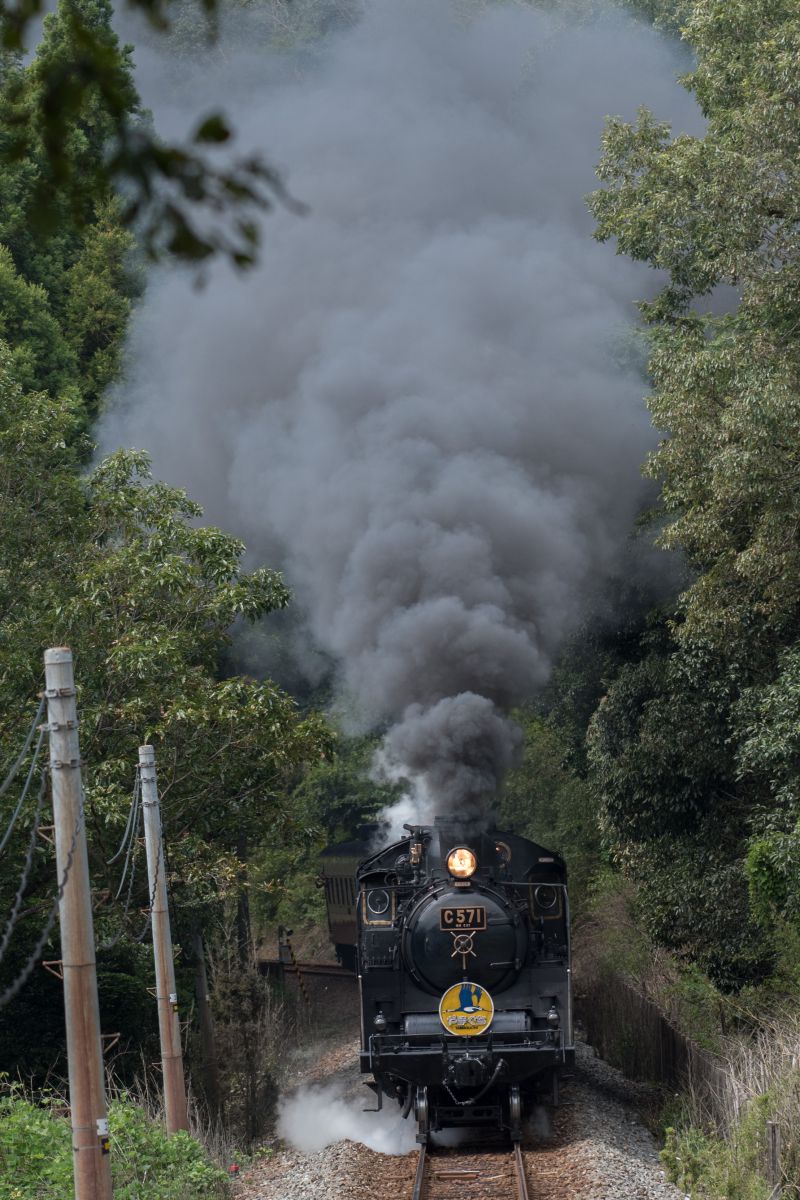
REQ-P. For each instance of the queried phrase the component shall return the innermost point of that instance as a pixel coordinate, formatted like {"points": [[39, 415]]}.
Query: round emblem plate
{"points": [[466, 1009]]}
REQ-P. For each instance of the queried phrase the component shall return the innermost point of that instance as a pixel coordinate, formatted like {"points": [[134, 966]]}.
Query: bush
{"points": [[254, 1029], [716, 1145], [706, 1167], [36, 1155], [546, 800]]}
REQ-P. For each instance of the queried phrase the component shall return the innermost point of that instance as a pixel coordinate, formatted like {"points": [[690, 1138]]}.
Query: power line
{"points": [[23, 883], [112, 942], [168, 875], [139, 937], [11, 991], [135, 937], [134, 825], [9, 779], [134, 808]]}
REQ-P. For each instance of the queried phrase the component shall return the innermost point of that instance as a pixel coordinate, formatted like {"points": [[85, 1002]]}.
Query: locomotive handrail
{"points": [[435, 883]]}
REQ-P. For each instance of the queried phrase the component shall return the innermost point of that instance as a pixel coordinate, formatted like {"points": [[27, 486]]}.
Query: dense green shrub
{"points": [[546, 799], [36, 1156], [707, 1167]]}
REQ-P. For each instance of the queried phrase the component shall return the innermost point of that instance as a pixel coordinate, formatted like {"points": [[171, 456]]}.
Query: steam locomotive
{"points": [[462, 948]]}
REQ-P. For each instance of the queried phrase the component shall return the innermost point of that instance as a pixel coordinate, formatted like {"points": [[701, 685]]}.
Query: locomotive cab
{"points": [[464, 968]]}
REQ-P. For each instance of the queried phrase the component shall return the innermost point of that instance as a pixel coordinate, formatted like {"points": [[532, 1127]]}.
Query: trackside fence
{"points": [[631, 1032]]}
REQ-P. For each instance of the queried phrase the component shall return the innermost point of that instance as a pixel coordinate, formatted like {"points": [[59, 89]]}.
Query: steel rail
{"points": [[419, 1178], [519, 1167]]}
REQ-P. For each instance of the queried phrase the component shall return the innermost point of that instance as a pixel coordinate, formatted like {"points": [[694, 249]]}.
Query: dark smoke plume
{"points": [[455, 754], [420, 403]]}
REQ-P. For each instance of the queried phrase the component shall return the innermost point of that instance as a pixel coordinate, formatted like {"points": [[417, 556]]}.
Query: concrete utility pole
{"points": [[87, 1096], [168, 1020]]}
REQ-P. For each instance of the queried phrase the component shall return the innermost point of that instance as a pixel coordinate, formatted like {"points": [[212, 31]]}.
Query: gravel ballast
{"points": [[595, 1147]]}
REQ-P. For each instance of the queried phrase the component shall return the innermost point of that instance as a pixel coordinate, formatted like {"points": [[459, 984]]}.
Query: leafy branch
{"points": [[178, 198]]}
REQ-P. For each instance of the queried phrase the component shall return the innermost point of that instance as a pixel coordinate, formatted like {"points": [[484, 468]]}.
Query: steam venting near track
{"points": [[421, 404]]}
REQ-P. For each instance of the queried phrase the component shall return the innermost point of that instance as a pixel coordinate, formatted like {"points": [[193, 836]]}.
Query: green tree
{"points": [[67, 285], [84, 132], [685, 742], [99, 287], [333, 802], [546, 800], [79, 95], [722, 209], [663, 762], [118, 567], [43, 357]]}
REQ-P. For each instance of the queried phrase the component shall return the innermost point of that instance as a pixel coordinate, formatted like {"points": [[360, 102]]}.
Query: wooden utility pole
{"points": [[87, 1095], [169, 1025]]}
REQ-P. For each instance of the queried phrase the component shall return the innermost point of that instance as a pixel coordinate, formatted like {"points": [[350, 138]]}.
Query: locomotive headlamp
{"points": [[461, 862], [546, 896], [377, 901]]}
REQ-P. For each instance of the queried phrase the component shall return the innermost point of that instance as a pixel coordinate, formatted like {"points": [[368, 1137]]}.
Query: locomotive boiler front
{"points": [[448, 933]]}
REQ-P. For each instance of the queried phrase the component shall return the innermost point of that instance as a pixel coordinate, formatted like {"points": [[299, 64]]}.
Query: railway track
{"points": [[491, 1175]]}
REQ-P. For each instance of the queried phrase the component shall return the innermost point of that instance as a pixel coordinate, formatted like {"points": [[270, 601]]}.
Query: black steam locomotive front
{"points": [[463, 951]]}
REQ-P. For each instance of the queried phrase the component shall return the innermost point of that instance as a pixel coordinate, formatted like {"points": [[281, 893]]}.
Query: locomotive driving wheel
{"points": [[422, 1115], [515, 1112]]}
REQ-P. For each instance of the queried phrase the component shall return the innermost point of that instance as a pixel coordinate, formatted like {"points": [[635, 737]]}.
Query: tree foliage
{"points": [[722, 210], [66, 283], [546, 800], [335, 801], [696, 740], [72, 131], [118, 567]]}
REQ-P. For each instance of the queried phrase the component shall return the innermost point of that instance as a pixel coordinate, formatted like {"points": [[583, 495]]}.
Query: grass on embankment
{"points": [[715, 1132], [724, 1153]]}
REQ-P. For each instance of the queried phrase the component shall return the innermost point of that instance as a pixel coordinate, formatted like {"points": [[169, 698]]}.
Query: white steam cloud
{"points": [[315, 1117], [418, 404]]}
